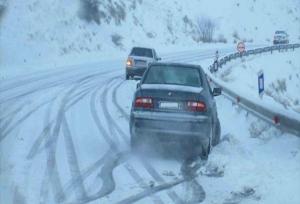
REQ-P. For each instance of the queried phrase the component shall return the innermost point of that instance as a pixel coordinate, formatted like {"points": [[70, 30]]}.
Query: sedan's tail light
{"points": [[143, 102], [129, 62], [196, 106]]}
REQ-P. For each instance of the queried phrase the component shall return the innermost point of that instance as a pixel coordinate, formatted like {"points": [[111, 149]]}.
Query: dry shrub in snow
{"points": [[2, 8], [222, 39], [279, 85], [206, 28], [117, 12], [150, 35], [235, 35], [117, 40], [89, 11], [104, 10], [277, 90]]}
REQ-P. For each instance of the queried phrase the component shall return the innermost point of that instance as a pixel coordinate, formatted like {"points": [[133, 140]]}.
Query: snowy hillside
{"points": [[54, 32], [282, 79]]}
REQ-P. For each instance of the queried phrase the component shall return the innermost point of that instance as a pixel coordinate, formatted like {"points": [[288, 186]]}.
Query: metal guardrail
{"points": [[224, 60], [282, 121]]}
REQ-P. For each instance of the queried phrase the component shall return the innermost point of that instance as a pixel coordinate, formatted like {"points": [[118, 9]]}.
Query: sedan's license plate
{"points": [[169, 105]]}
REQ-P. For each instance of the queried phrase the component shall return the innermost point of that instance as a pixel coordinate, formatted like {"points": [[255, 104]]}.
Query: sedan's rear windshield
{"points": [[186, 76], [141, 52]]}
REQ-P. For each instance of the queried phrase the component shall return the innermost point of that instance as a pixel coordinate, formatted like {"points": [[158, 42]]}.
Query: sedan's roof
{"points": [[175, 64], [148, 48]]}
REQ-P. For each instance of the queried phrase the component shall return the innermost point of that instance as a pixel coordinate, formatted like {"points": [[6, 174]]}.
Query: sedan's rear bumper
{"points": [[135, 71], [167, 127]]}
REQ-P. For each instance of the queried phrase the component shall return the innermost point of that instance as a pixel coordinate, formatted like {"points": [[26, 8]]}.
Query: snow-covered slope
{"points": [[51, 32], [282, 79]]}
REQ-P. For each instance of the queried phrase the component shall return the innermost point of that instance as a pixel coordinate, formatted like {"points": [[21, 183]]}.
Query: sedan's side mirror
{"points": [[158, 59], [217, 91], [138, 85]]}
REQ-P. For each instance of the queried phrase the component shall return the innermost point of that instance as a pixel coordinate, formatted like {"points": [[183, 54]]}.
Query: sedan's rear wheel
{"points": [[217, 134], [207, 149]]}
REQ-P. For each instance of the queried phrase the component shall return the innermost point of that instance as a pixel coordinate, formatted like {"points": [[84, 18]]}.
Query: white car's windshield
{"points": [[142, 52]]}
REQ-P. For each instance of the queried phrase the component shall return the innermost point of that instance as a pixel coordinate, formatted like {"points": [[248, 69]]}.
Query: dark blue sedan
{"points": [[174, 103]]}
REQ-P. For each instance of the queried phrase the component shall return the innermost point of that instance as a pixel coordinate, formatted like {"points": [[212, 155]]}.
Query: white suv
{"points": [[281, 37], [138, 61]]}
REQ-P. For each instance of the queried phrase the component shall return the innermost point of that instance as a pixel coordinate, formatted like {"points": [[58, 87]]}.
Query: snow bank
{"points": [[282, 79]]}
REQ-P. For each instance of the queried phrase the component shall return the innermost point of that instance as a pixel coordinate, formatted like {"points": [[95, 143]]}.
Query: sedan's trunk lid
{"points": [[168, 97]]}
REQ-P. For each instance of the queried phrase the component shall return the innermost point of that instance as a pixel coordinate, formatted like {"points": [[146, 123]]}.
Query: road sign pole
{"points": [[261, 83]]}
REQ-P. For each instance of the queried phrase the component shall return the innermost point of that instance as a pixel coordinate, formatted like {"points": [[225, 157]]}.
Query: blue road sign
{"points": [[261, 85]]}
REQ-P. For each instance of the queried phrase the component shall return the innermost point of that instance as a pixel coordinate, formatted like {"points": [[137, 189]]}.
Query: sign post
{"points": [[261, 83]]}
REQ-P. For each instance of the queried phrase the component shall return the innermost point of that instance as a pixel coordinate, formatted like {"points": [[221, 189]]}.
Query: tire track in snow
{"points": [[5, 132], [106, 173], [18, 197], [66, 103], [52, 174], [8, 130], [36, 147], [7, 118], [156, 176], [132, 172], [192, 187], [150, 191], [70, 186], [9, 113], [64, 80], [198, 192], [44, 190], [73, 161]]}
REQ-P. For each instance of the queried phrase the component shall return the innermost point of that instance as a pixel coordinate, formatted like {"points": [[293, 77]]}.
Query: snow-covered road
{"points": [[65, 139]]}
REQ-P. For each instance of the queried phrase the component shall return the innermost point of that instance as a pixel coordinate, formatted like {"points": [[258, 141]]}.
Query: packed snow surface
{"points": [[65, 138]]}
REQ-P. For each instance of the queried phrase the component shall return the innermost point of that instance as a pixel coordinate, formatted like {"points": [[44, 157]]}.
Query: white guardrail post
{"points": [[279, 119]]}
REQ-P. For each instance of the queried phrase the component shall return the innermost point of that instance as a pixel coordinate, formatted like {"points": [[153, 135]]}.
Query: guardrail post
{"points": [[276, 120]]}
